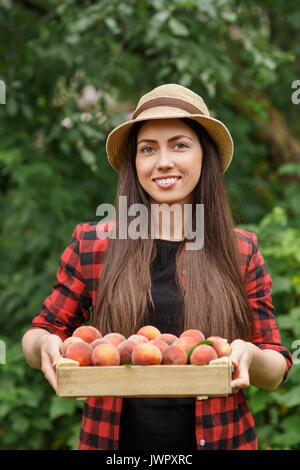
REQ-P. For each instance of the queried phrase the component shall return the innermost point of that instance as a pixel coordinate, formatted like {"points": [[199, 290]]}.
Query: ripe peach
{"points": [[99, 341], [139, 339], [203, 354], [174, 354], [168, 338], [67, 342], [149, 331], [105, 355], [87, 333], [115, 338], [146, 354], [186, 342], [125, 349], [81, 352], [196, 334], [220, 345], [162, 345]]}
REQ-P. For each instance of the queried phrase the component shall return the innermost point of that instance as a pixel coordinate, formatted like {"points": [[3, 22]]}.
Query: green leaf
{"points": [[20, 423], [159, 18], [289, 169], [112, 25], [291, 398], [259, 401], [61, 406], [42, 423], [281, 284], [178, 28], [88, 157], [290, 435], [229, 16]]}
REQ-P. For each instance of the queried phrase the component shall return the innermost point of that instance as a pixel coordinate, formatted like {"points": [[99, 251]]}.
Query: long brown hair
{"points": [[215, 299]]}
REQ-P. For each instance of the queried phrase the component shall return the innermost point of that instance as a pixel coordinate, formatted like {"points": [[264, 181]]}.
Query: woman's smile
{"points": [[167, 181]]}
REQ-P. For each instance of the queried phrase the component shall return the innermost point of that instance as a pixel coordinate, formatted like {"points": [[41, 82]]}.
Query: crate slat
{"points": [[144, 381]]}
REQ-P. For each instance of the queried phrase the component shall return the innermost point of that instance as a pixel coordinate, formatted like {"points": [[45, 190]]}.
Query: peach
{"points": [[162, 345], [203, 354], [196, 334], [105, 355], [115, 338], [174, 354], [138, 339], [87, 333], [99, 341], [146, 354], [67, 342], [149, 331], [80, 352], [168, 337], [125, 349], [186, 342], [220, 345]]}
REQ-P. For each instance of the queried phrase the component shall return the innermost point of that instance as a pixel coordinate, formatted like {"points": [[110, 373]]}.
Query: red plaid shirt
{"points": [[221, 423]]}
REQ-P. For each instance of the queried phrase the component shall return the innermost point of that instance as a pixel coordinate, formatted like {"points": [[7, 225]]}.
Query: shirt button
{"points": [[202, 442]]}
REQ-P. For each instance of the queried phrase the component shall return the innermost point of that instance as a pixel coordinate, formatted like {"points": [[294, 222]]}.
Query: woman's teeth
{"points": [[167, 180]]}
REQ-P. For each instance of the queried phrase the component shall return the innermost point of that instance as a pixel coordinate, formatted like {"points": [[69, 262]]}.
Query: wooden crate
{"points": [[144, 381]]}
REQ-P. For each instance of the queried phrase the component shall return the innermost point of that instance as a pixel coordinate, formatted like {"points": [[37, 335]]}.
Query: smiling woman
{"points": [[171, 152]]}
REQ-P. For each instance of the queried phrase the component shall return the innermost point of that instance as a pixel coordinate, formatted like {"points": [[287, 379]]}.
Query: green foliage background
{"points": [[54, 171]]}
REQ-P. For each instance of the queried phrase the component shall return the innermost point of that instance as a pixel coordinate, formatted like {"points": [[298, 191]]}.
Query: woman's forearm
{"points": [[31, 346], [263, 368], [267, 368]]}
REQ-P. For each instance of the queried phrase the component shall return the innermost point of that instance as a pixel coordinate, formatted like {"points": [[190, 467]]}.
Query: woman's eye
{"points": [[181, 143], [145, 148]]}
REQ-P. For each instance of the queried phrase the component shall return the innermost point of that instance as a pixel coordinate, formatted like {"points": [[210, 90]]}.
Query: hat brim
{"points": [[117, 139]]}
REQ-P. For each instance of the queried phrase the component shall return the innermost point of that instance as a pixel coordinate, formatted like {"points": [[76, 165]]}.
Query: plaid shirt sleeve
{"points": [[69, 303], [259, 290]]}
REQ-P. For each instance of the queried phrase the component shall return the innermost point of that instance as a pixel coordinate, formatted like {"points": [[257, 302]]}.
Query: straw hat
{"points": [[170, 101]]}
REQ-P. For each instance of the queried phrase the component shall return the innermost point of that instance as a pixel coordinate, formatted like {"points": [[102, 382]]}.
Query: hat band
{"points": [[165, 101]]}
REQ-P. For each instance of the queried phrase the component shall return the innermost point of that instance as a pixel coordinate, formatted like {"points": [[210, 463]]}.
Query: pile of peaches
{"points": [[148, 346]]}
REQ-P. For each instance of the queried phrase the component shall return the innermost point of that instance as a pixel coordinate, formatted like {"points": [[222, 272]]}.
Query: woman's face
{"points": [[168, 148]]}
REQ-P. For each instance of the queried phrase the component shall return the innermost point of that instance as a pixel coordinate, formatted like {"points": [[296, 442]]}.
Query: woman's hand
{"points": [[50, 348], [241, 353]]}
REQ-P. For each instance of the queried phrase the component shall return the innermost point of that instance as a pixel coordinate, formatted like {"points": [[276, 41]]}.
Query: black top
{"points": [[160, 423]]}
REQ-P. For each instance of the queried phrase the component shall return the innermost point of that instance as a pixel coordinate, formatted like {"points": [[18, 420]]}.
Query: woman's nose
{"points": [[165, 159]]}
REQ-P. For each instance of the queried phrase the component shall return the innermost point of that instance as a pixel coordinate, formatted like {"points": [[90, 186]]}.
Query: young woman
{"points": [[171, 152]]}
